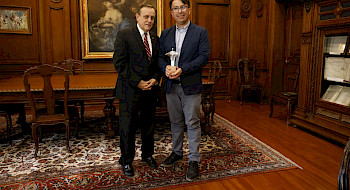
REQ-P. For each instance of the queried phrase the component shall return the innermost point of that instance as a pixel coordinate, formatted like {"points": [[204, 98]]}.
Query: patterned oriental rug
{"points": [[93, 162]]}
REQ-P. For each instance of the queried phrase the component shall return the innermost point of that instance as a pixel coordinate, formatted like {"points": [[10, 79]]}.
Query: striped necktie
{"points": [[145, 42]]}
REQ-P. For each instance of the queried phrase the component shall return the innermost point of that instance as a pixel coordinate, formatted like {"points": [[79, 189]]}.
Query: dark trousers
{"points": [[135, 112]]}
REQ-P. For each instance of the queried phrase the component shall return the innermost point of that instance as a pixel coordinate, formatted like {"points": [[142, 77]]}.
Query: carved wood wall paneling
{"points": [[217, 26], [75, 29], [58, 31], [246, 6], [293, 38], [19, 49], [294, 23], [261, 31], [254, 41], [260, 8], [168, 20], [276, 47]]}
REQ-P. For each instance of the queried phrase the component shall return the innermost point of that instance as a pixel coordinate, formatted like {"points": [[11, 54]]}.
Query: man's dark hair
{"points": [[144, 5], [186, 2]]}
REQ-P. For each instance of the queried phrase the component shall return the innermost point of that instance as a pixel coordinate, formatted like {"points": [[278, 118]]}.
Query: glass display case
{"points": [[335, 85], [324, 88]]}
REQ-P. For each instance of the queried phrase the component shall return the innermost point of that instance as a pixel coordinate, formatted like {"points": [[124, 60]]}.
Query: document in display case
{"points": [[337, 94]]}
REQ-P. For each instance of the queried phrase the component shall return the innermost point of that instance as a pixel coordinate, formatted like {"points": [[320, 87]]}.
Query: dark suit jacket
{"points": [[131, 61], [193, 57]]}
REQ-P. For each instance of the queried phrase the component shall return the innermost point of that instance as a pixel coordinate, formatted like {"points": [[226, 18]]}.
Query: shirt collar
{"points": [[185, 27], [141, 31]]}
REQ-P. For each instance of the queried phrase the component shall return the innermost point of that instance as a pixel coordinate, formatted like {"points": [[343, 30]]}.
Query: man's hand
{"points": [[176, 74], [169, 70], [147, 85], [142, 84], [150, 83]]}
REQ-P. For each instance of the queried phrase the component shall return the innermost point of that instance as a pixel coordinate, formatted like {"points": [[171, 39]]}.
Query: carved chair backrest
{"points": [[295, 86], [246, 70], [72, 65], [43, 74], [215, 71]]}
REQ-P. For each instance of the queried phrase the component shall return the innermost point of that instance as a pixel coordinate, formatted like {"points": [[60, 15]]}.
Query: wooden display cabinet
{"points": [[324, 96]]}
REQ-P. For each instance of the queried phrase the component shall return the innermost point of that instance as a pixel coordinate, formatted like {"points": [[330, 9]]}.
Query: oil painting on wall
{"points": [[15, 20], [102, 19]]}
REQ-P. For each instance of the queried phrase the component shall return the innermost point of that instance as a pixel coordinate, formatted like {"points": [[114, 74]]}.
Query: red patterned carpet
{"points": [[93, 161]]}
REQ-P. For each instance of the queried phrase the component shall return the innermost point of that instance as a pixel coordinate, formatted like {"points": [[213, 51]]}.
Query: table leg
{"points": [[271, 106], [206, 109], [22, 120], [109, 110], [289, 111]]}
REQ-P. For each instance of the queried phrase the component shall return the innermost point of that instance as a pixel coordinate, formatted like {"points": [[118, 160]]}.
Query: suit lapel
{"points": [[172, 35], [153, 41], [187, 40], [138, 38]]}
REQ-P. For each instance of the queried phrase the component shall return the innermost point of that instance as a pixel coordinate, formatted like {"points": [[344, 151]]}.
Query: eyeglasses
{"points": [[177, 9]]}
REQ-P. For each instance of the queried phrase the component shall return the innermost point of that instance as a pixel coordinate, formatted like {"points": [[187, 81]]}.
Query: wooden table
{"points": [[81, 87], [87, 87]]}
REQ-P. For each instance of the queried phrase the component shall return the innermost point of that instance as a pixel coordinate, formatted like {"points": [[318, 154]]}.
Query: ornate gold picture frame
{"points": [[98, 33], [15, 20]]}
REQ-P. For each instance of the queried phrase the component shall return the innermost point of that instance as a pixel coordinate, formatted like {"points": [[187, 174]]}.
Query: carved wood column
{"points": [[306, 56]]}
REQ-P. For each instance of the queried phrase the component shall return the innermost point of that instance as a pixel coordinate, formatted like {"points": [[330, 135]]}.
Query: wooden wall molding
{"points": [[313, 74]]}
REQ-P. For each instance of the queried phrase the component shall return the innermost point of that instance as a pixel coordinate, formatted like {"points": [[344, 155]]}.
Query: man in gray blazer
{"points": [[135, 59], [184, 86]]}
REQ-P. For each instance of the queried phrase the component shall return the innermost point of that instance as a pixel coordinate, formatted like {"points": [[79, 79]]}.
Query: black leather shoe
{"points": [[171, 160], [151, 162], [192, 171], [128, 170]]}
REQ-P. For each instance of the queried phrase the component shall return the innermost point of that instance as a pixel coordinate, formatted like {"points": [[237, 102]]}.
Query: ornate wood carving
{"points": [[338, 10], [328, 113], [306, 38], [346, 119], [56, 1], [313, 75], [308, 6], [245, 8], [259, 8]]}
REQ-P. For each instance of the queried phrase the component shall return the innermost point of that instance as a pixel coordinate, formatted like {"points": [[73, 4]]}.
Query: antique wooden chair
{"points": [[248, 78], [215, 70], [43, 102], [290, 98], [7, 110], [74, 67]]}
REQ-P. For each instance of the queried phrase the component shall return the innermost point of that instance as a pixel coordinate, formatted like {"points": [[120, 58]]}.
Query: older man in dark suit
{"points": [[135, 59], [184, 86]]}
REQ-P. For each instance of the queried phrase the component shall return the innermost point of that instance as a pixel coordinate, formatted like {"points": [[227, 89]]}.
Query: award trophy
{"points": [[172, 54]]}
